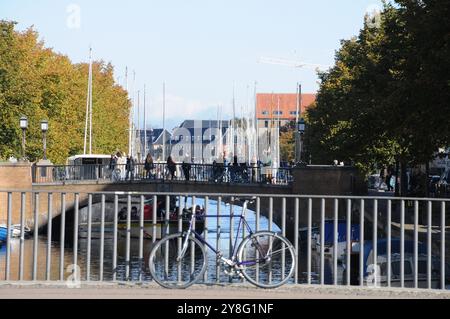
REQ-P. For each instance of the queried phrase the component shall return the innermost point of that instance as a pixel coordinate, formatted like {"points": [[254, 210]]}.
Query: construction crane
{"points": [[293, 64]]}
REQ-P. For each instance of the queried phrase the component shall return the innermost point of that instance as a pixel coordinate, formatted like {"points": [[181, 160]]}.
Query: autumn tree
{"points": [[41, 84]]}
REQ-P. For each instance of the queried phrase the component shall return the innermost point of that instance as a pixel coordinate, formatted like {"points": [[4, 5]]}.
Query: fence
{"points": [[352, 241], [159, 172]]}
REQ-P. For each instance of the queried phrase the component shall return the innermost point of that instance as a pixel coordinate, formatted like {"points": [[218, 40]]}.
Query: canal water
{"points": [[138, 269]]}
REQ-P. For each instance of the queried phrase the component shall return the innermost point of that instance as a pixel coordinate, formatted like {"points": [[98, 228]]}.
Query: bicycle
{"points": [[265, 259]]}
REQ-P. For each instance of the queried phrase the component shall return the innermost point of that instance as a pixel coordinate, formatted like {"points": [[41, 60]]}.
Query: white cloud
{"points": [[178, 109]]}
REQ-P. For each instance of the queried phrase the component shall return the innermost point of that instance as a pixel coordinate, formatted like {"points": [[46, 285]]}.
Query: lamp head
{"points": [[23, 123], [44, 126]]}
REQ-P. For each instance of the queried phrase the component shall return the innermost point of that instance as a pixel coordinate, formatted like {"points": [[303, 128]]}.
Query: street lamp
{"points": [[44, 129], [302, 126], [23, 125]]}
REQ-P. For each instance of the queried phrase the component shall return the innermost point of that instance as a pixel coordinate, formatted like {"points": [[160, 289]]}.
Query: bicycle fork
{"points": [[186, 240]]}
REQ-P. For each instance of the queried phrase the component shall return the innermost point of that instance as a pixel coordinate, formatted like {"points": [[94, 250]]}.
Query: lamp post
{"points": [[301, 126], [23, 125], [44, 129]]}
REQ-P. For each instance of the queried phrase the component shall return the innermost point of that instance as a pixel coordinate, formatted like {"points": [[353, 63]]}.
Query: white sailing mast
{"points": [[145, 124], [88, 109], [164, 123]]}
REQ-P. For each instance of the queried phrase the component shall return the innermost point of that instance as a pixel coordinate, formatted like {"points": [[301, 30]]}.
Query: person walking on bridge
{"points": [[171, 166], [148, 166], [186, 166], [130, 168]]}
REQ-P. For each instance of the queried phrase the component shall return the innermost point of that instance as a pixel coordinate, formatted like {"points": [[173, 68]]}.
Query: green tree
{"points": [[383, 100], [41, 84]]}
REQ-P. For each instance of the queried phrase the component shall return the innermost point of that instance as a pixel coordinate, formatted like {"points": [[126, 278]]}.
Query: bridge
{"points": [[67, 180], [398, 224]]}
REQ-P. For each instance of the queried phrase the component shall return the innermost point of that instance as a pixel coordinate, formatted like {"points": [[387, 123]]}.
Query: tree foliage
{"points": [[387, 98], [41, 84]]}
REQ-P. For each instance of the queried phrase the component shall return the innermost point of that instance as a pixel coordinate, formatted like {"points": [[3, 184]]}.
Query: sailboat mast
{"points": [[90, 108], [130, 120], [164, 122], [234, 123], [133, 125], [256, 124], [138, 130], [145, 123], [87, 102]]}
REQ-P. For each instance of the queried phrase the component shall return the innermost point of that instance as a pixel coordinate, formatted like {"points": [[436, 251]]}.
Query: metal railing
{"points": [[338, 240], [161, 172]]}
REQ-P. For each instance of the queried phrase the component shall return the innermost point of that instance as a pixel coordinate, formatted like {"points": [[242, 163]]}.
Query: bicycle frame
{"points": [[242, 223]]}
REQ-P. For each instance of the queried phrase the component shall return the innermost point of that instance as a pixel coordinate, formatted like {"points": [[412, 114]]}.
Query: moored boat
{"points": [[375, 273], [3, 233], [162, 226]]}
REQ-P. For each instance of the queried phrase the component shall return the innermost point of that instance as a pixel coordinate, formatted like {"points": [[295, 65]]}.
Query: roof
{"points": [[159, 139], [154, 136], [268, 104]]}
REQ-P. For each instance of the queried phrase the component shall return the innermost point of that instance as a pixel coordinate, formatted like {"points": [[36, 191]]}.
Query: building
{"points": [[193, 137], [272, 108], [155, 143]]}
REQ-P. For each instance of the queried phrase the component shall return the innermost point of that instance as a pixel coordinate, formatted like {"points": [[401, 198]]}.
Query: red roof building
{"points": [[271, 106]]}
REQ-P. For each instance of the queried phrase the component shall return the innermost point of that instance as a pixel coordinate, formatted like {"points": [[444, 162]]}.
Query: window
{"points": [[266, 124], [277, 112], [293, 113], [265, 112]]}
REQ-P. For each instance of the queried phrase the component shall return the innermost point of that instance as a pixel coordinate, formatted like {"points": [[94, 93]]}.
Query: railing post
{"points": [[443, 245], [309, 253], [36, 235], [8, 237], [22, 234], [296, 234]]}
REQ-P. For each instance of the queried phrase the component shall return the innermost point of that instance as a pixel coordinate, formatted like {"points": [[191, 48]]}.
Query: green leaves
{"points": [[41, 84], [386, 96]]}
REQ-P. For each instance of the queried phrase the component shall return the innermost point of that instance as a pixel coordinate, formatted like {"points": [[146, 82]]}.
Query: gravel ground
{"points": [[41, 290]]}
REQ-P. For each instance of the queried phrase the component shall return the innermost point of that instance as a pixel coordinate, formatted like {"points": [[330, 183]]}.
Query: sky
{"points": [[202, 50]]}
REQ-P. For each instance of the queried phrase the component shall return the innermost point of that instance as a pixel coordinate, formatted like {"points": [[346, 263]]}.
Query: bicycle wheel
{"points": [[267, 259], [170, 272]]}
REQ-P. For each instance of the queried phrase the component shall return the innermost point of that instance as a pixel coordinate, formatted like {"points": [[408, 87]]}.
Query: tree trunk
{"points": [[397, 188], [403, 179]]}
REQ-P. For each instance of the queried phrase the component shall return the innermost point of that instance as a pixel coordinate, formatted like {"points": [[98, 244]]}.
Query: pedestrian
{"points": [[112, 162], [382, 178], [130, 168], [112, 166], [186, 167], [389, 180], [121, 162], [148, 166], [171, 166], [254, 169]]}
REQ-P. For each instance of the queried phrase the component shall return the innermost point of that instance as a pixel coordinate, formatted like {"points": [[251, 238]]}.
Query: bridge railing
{"points": [[350, 241], [162, 172]]}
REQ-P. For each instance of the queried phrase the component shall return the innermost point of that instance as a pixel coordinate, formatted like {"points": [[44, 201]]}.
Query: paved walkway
{"points": [[152, 291]]}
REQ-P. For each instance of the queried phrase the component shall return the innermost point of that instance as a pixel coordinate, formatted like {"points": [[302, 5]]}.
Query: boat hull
{"points": [[3, 234], [160, 228]]}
